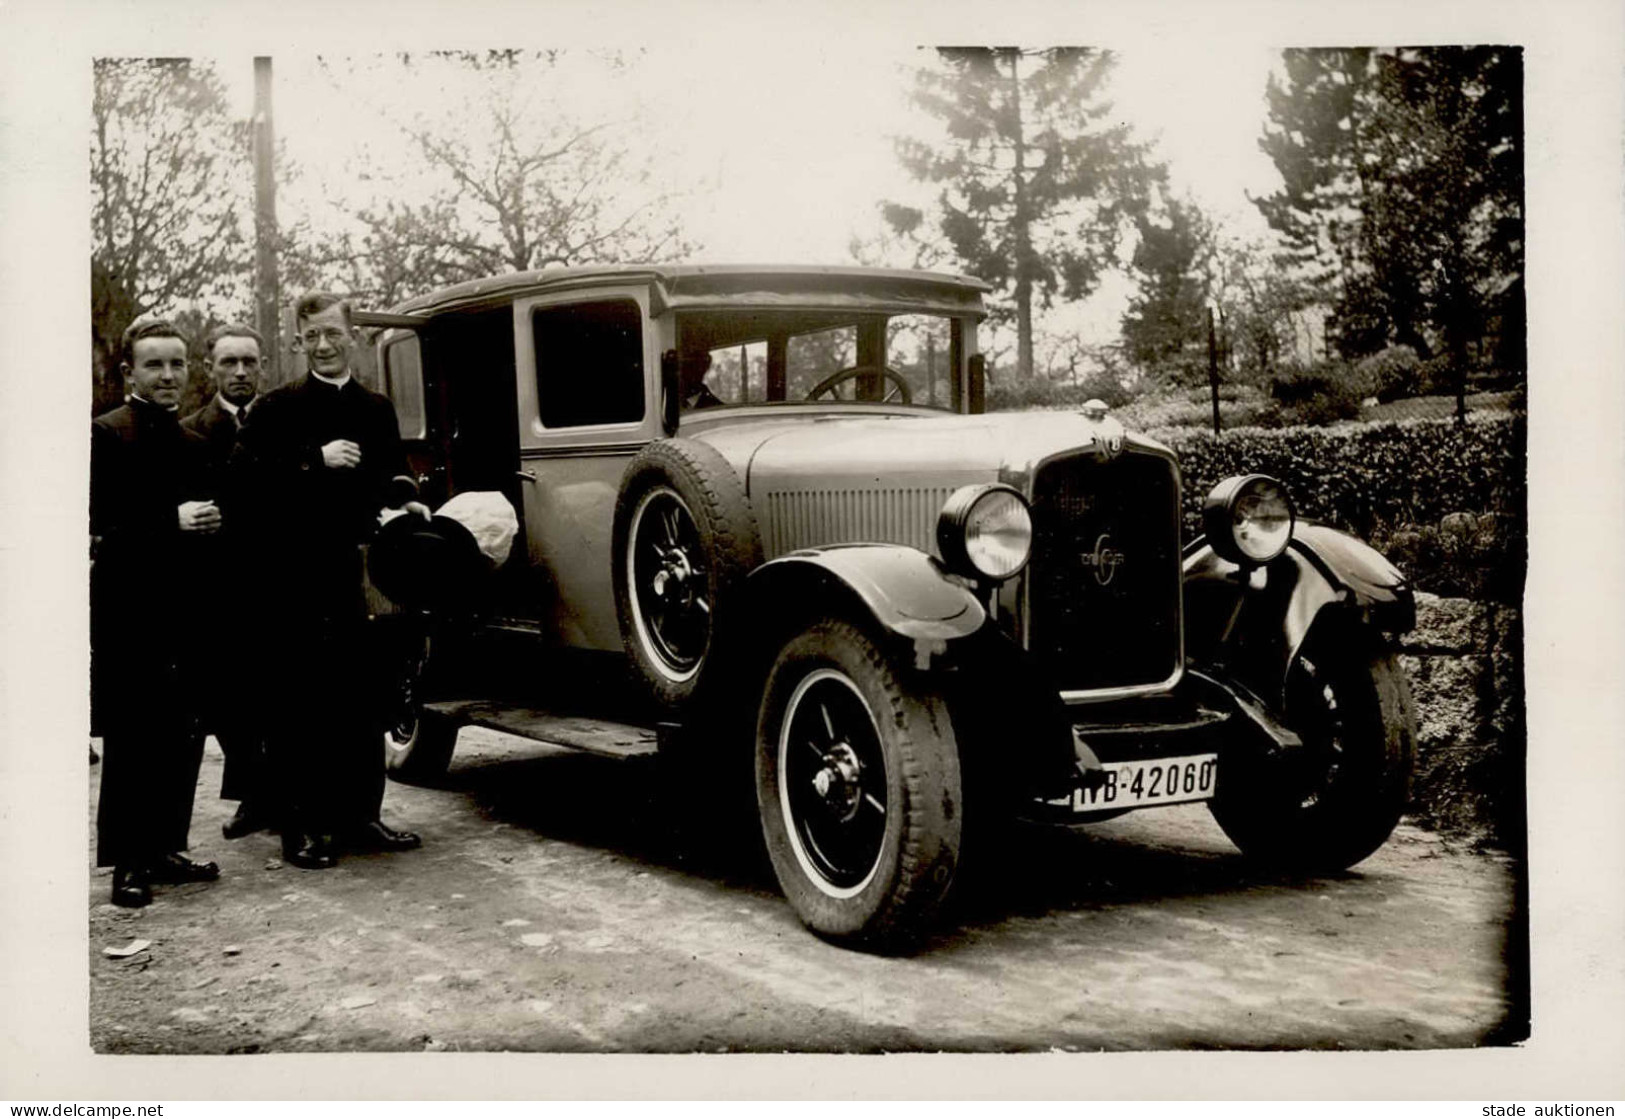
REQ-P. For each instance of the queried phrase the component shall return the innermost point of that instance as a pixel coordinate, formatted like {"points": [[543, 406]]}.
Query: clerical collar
{"points": [[145, 403], [336, 382]]}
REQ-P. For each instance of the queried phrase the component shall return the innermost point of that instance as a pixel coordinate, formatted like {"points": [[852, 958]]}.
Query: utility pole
{"points": [[266, 301], [1213, 368]]}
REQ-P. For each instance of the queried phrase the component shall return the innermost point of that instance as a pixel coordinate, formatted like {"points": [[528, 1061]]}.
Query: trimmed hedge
{"points": [[1011, 394], [1393, 483]]}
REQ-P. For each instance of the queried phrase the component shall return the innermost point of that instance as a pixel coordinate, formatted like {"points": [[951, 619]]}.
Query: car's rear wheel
{"points": [[858, 787], [1328, 804], [685, 538], [418, 743]]}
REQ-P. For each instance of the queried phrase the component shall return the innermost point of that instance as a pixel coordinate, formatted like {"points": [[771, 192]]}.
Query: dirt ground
{"points": [[554, 907]]}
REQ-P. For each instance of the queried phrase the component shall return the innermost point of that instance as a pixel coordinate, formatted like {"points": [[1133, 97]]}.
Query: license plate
{"points": [[1139, 784]]}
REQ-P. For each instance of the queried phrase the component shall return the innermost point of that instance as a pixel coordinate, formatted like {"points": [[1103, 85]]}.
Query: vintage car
{"points": [[771, 497]]}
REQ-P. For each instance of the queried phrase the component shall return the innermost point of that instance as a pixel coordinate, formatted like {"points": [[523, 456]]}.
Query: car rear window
{"points": [[589, 363]]}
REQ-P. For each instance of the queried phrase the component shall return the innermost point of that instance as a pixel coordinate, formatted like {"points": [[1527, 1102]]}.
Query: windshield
{"points": [[754, 357]]}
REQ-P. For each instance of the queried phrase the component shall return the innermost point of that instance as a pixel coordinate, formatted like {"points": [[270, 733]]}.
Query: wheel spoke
{"points": [[869, 799], [829, 725]]}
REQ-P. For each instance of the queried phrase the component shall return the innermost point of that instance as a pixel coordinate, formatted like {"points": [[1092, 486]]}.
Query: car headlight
{"points": [[1248, 519], [985, 531]]}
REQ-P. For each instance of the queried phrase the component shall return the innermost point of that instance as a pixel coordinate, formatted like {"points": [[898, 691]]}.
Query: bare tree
{"points": [[171, 185], [506, 175]]}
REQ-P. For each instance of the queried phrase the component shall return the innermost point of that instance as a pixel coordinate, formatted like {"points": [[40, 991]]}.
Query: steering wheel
{"points": [[900, 393]]}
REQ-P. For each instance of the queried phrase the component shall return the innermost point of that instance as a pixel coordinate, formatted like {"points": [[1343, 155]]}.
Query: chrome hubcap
{"points": [[832, 783], [667, 577]]}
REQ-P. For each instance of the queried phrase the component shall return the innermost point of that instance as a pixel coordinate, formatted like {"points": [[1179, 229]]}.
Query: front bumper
{"points": [[1203, 722]]}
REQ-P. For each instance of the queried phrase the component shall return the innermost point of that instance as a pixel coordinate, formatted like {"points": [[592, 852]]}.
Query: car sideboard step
{"points": [[594, 736]]}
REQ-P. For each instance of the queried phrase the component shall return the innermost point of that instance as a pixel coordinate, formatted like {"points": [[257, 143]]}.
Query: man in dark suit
{"points": [[315, 463], [149, 503], [230, 697]]}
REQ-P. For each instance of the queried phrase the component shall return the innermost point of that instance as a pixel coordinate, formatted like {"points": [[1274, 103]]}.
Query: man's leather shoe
{"points": [[176, 867], [245, 821], [130, 888], [308, 852], [378, 836]]}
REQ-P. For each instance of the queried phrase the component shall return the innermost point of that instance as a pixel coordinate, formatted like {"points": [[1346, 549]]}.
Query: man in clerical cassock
{"points": [[150, 503], [315, 463], [229, 695]]}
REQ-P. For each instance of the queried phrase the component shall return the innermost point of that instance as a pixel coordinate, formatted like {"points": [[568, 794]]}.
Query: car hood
{"points": [[840, 477], [901, 449]]}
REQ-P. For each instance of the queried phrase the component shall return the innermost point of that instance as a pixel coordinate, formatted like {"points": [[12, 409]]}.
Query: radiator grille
{"points": [[808, 519], [1104, 582]]}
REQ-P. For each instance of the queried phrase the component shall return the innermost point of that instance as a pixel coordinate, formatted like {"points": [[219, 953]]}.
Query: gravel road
{"points": [[553, 908]]}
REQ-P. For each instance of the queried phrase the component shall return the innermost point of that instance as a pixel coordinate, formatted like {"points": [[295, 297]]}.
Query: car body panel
{"points": [[839, 476], [825, 478], [691, 287], [905, 591], [1270, 611]]}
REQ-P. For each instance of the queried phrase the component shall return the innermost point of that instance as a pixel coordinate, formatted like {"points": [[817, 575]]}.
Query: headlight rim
{"points": [[954, 519], [1218, 518]]}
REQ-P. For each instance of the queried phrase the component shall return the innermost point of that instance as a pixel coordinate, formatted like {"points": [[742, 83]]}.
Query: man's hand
{"points": [[198, 516], [419, 508], [341, 454]]}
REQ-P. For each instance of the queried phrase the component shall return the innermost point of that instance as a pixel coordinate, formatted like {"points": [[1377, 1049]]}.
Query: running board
{"points": [[593, 736]]}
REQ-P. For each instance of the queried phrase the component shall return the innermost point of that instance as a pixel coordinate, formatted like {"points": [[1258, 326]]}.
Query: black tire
{"points": [[684, 540], [418, 744], [1336, 800], [858, 787]]}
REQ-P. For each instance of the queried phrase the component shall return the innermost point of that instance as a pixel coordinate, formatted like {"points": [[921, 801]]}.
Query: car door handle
{"points": [[526, 475]]}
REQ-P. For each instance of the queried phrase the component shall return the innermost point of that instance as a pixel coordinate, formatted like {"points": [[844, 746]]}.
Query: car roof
{"points": [[693, 286]]}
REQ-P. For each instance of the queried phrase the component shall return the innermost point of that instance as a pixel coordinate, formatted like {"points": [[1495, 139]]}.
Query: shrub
{"points": [[1038, 392], [1393, 373], [1436, 377], [1378, 479], [1171, 412], [1468, 556], [1321, 395]]}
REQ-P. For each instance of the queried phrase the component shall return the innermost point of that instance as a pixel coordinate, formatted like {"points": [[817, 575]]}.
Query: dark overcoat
{"points": [[306, 523], [230, 699], [217, 427], [143, 465]]}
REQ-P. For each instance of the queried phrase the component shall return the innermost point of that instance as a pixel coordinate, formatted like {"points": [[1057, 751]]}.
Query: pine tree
{"points": [[1036, 183], [1402, 192], [1166, 323]]}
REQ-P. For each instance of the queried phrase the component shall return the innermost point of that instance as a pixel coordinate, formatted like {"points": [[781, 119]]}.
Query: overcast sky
{"points": [[785, 153]]}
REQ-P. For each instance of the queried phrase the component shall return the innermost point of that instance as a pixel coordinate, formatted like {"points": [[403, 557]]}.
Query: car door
{"points": [[452, 379], [587, 379]]}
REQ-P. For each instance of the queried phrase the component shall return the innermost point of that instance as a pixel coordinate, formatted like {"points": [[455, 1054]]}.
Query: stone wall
{"points": [[1465, 663]]}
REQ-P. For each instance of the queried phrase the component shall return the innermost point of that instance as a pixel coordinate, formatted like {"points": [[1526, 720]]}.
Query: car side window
{"points": [[589, 363], [403, 384]]}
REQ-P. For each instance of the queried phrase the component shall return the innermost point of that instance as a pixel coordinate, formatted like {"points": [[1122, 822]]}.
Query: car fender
{"points": [[1255, 624], [903, 590], [1013, 732]]}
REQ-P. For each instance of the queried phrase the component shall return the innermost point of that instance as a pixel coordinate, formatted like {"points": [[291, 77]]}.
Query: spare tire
{"points": [[685, 538]]}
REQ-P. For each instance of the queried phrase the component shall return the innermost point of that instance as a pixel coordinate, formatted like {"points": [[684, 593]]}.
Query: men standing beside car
{"points": [[229, 695], [315, 463], [150, 503]]}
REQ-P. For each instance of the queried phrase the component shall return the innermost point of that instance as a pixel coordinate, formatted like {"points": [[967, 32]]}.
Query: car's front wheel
{"points": [[858, 786], [1326, 805]]}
